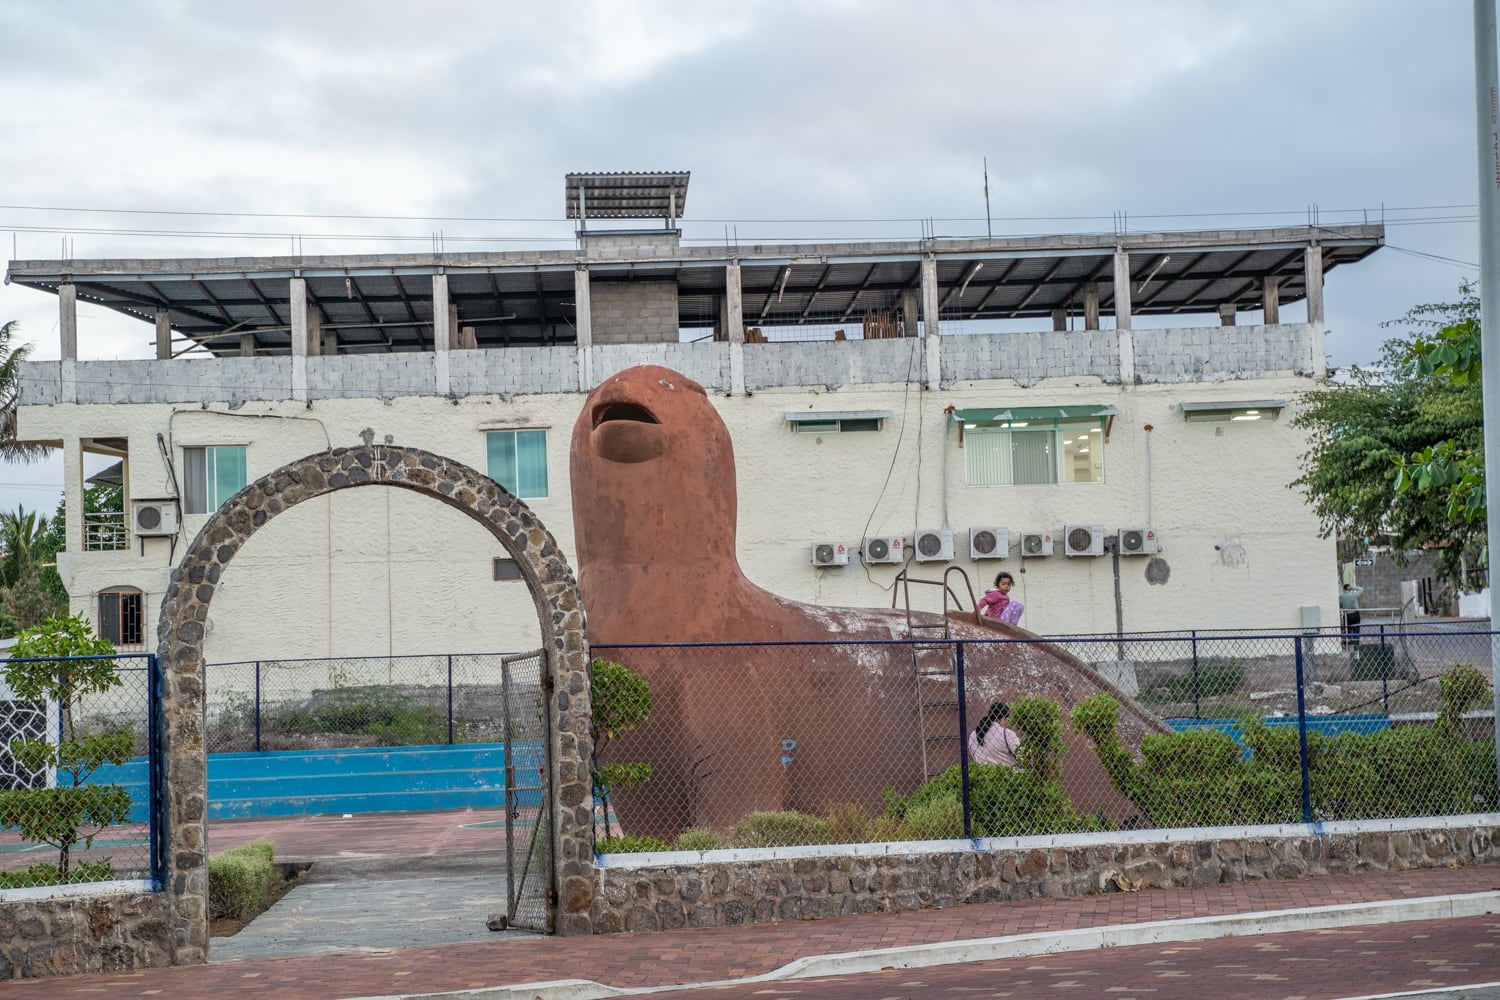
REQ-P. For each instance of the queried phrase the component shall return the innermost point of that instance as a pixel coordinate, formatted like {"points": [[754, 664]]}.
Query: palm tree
{"points": [[21, 531], [11, 356]]}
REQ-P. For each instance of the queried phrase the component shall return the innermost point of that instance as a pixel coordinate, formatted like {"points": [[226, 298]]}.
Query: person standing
{"points": [[1349, 607]]}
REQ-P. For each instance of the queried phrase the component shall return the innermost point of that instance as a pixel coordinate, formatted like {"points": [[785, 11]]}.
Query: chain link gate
{"points": [[528, 814]]}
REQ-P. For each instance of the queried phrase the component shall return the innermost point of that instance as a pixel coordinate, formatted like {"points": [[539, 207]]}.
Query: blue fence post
{"points": [[450, 699], [1197, 712], [963, 742], [1302, 735], [155, 779], [257, 706], [1385, 687]]}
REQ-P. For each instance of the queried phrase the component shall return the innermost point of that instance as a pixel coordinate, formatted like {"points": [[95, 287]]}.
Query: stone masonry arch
{"points": [[180, 634]]}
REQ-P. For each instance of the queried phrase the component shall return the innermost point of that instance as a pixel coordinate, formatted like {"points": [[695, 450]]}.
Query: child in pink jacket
{"points": [[998, 604]]}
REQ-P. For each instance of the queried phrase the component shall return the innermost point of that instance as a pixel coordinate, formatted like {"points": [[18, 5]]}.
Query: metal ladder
{"points": [[932, 661]]}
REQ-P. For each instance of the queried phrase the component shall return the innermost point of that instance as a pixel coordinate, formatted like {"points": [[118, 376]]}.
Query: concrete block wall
{"points": [[833, 362], [1220, 353], [1028, 358], [513, 371], [706, 364], [386, 375], [181, 381], [605, 245], [634, 312]]}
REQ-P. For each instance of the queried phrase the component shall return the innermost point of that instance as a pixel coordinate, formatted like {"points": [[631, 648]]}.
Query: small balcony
{"points": [[105, 531]]}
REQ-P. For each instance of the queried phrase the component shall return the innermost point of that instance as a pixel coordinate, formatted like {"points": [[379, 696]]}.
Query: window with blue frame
{"points": [[518, 461]]}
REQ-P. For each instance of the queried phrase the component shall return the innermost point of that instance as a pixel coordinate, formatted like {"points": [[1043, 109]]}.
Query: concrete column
{"points": [[931, 323], [1271, 300], [1059, 320], [1313, 267], [442, 333], [314, 331], [909, 312], [1122, 289], [163, 335], [1091, 306], [73, 495], [247, 345], [298, 310], [583, 322], [67, 319], [734, 321], [1226, 313], [455, 336]]}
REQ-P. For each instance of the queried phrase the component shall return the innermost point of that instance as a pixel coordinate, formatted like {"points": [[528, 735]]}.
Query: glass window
{"points": [[210, 476], [1020, 455], [120, 619], [518, 461]]}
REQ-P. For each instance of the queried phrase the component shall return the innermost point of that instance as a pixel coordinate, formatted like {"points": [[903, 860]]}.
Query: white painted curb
{"points": [[1023, 945]]}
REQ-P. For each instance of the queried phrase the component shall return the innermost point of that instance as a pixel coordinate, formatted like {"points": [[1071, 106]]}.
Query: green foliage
{"points": [[1462, 688], [11, 355], [1397, 450], [778, 829], [699, 838], [382, 711], [621, 701], [937, 817], [45, 874], [74, 811], [1217, 676], [848, 823], [629, 843], [238, 879]]}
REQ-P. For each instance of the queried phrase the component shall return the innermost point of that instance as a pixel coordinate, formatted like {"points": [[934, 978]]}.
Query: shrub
{"points": [[940, 817], [699, 838], [1215, 676], [848, 823], [621, 701], [47, 874], [778, 829], [238, 879], [630, 843]]}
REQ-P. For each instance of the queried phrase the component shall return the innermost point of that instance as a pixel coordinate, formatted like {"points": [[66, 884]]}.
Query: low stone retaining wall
{"points": [[105, 930], [665, 891]]}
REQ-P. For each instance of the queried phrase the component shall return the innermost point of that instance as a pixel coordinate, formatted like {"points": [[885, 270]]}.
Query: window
{"points": [[1019, 454], [120, 616], [1255, 409], [837, 423], [210, 476], [518, 461]]}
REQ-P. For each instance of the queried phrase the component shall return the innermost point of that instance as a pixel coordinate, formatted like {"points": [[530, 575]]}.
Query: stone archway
{"points": [[180, 634]]}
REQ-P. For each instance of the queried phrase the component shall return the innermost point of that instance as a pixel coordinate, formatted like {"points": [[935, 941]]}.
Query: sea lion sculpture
{"points": [[781, 725]]}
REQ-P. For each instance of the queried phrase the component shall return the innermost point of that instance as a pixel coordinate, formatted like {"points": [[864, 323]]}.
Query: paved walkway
{"points": [[664, 959]]}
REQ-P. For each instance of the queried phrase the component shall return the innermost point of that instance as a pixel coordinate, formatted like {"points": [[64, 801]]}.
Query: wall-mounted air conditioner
{"points": [[989, 543], [934, 545], [1036, 544], [830, 554], [884, 549], [1137, 542], [153, 517], [1083, 539]]}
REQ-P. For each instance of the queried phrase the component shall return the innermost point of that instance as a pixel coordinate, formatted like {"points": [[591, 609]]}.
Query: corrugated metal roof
{"points": [[625, 195]]}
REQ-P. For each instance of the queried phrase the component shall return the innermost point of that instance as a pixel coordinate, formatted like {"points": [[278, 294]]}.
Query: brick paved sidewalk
{"points": [[693, 956]]}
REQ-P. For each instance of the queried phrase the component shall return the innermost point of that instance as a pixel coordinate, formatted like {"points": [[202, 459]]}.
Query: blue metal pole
{"points": [[1197, 711], [1302, 735], [963, 741], [1385, 673], [156, 783]]}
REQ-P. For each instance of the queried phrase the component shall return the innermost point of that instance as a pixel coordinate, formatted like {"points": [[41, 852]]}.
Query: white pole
{"points": [[1487, 108]]}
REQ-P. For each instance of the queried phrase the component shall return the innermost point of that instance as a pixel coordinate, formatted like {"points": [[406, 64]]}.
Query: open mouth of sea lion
{"points": [[627, 432]]}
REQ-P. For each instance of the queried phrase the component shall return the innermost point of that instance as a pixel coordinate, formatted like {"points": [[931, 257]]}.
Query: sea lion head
{"points": [[651, 463]]}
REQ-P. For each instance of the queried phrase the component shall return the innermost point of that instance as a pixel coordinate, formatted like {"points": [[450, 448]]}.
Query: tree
{"points": [[11, 356], [30, 589], [621, 700], [21, 532], [74, 810], [1363, 434]]}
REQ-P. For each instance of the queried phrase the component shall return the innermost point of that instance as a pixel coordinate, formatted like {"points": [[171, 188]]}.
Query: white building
{"points": [[872, 390]]}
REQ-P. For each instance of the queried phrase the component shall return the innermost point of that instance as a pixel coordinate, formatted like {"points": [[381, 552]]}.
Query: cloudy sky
{"points": [[180, 128]]}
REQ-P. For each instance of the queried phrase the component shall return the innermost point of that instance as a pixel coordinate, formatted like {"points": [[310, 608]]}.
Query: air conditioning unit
{"points": [[830, 554], [989, 543], [1083, 539], [1137, 542], [153, 517], [934, 545], [884, 550], [1036, 544]]}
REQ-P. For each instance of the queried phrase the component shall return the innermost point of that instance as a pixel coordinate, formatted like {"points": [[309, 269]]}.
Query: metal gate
{"points": [[528, 813]]}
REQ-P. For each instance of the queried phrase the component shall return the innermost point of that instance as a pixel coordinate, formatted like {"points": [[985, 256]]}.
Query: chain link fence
{"points": [[350, 702], [716, 745], [77, 766]]}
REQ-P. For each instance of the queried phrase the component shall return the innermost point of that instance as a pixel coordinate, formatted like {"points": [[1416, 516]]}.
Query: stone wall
{"points": [[98, 932], [786, 884]]}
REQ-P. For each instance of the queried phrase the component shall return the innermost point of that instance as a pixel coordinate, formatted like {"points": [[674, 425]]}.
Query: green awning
{"points": [[1001, 415]]}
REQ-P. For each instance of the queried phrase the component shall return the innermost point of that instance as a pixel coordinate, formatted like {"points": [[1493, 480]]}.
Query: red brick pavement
{"points": [[692, 956]]}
